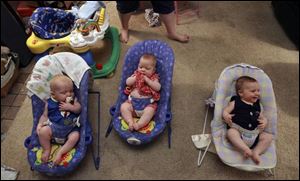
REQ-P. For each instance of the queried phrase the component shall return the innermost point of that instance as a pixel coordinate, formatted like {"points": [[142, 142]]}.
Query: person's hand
{"points": [[63, 106], [228, 118], [262, 122], [147, 80]]}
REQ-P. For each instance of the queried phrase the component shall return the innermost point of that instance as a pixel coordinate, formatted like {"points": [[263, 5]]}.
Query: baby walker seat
{"points": [[55, 27]]}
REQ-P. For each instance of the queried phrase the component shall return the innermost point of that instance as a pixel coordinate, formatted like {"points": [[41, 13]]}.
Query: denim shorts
{"points": [[161, 7]]}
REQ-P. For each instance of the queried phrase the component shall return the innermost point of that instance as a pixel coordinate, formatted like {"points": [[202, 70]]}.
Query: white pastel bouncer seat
{"points": [[224, 89]]}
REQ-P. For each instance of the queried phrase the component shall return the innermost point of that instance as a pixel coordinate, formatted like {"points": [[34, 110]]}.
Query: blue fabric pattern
{"points": [[139, 104], [52, 23]]}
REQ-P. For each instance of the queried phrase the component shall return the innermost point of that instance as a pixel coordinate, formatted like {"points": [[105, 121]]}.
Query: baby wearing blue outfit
{"points": [[245, 120], [60, 119]]}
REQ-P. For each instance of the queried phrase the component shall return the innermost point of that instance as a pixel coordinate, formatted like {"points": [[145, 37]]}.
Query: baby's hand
{"points": [[228, 118], [146, 79], [262, 122], [63, 106]]}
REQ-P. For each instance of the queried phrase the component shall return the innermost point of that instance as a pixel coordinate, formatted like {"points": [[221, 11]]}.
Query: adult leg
{"points": [[264, 142], [126, 112], [125, 10], [44, 139], [124, 18], [166, 12], [145, 118], [73, 138], [234, 137]]}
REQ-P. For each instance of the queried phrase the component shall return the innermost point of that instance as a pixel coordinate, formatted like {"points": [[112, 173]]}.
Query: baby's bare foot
{"points": [[57, 159], [131, 126], [248, 153], [256, 158], [124, 36], [45, 156], [136, 126], [181, 38]]}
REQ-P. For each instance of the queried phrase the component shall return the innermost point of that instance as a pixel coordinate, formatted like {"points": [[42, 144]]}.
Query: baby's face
{"points": [[250, 92], [146, 67], [62, 92]]}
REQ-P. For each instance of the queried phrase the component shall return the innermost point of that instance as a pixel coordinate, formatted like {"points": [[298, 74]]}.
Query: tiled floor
{"points": [[11, 103]]}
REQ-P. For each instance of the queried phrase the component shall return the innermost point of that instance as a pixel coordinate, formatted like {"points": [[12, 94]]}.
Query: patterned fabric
{"points": [[224, 89], [48, 66], [85, 132], [164, 67], [245, 115], [51, 23], [143, 88]]}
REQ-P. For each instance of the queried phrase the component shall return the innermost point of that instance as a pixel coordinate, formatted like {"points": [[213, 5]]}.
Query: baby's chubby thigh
{"points": [[149, 111], [45, 132], [126, 106], [233, 133]]}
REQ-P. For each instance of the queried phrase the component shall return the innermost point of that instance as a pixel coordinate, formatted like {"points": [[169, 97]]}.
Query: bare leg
{"points": [[124, 18], [126, 112], [234, 137], [264, 142], [145, 119], [170, 22], [44, 138], [71, 142]]}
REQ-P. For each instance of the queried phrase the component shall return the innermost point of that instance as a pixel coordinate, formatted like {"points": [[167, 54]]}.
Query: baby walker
{"points": [[54, 27]]}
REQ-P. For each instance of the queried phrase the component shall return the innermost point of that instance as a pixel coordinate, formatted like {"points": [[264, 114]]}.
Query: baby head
{"points": [[247, 88], [61, 87], [147, 64]]}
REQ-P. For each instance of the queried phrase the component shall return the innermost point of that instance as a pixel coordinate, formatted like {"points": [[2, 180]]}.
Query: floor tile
{"points": [[5, 124], [3, 110], [15, 89], [11, 113], [22, 77], [19, 100], [8, 100]]}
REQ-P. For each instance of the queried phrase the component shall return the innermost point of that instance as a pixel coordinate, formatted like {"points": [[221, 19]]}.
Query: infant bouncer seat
{"points": [[224, 90], [162, 118], [39, 89]]}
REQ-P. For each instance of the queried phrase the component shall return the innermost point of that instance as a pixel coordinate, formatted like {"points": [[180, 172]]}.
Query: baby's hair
{"points": [[241, 81], [59, 78], [149, 57]]}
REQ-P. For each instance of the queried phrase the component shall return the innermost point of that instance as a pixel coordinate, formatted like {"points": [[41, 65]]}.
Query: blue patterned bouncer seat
{"points": [[52, 23], [38, 87], [164, 67]]}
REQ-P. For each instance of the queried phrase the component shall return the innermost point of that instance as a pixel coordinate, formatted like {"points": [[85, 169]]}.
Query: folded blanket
{"points": [[64, 62]]}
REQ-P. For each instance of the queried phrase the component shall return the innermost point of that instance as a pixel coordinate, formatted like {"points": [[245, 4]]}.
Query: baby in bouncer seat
{"points": [[60, 119], [245, 121], [143, 93]]}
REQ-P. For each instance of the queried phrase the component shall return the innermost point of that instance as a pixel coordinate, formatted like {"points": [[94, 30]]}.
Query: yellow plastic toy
{"points": [[101, 16]]}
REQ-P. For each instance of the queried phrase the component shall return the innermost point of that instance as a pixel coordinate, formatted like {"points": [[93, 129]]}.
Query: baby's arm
{"points": [[131, 80], [226, 113], [75, 107], [263, 121], [43, 119], [155, 85]]}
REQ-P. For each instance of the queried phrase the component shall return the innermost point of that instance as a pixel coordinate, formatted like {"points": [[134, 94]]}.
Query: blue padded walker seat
{"points": [[52, 23]]}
